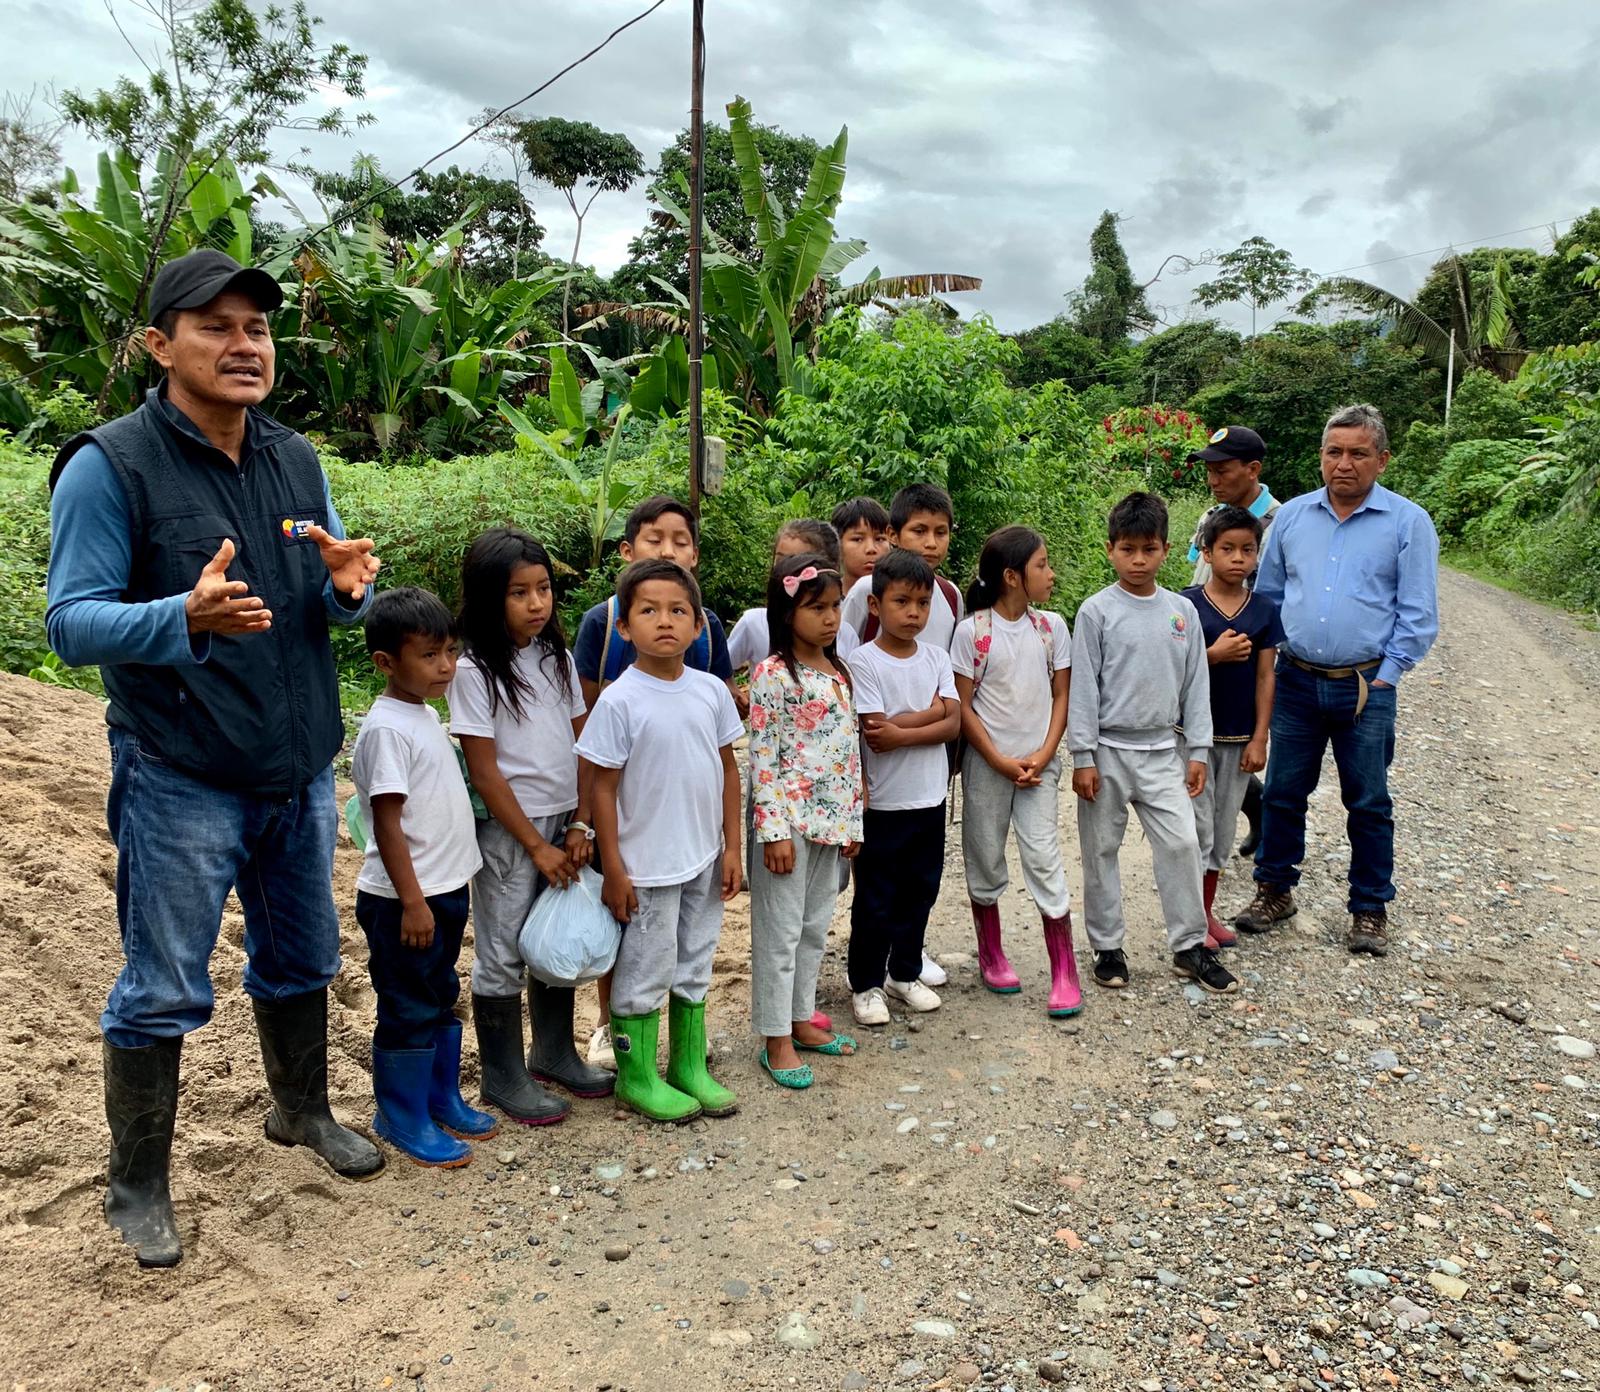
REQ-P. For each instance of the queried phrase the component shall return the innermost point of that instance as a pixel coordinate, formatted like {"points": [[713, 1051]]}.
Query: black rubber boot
{"points": [[1252, 811], [552, 1059], [294, 1052], [505, 1083], [141, 1108]]}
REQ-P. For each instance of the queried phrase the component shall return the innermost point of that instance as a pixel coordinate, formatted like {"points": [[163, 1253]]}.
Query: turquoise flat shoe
{"points": [[797, 1078], [840, 1046]]}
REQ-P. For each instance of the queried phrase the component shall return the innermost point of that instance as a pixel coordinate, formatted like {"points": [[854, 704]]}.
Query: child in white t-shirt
{"points": [[516, 706], [667, 812], [921, 520], [411, 894], [1013, 663], [906, 700]]}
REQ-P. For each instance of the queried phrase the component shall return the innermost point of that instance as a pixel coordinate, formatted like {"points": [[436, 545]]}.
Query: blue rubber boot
{"points": [[400, 1078], [445, 1103]]}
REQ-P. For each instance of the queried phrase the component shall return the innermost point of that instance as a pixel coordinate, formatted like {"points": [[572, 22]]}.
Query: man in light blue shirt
{"points": [[1354, 570]]}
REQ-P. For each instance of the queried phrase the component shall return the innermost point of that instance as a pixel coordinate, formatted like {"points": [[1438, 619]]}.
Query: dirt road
{"points": [[1356, 1174]]}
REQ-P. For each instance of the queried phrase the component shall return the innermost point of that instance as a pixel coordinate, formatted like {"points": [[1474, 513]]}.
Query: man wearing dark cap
{"points": [[197, 558], [1233, 457]]}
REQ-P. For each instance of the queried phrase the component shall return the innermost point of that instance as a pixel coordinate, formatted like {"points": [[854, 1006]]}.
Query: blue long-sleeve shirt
{"points": [[1354, 590], [86, 619]]}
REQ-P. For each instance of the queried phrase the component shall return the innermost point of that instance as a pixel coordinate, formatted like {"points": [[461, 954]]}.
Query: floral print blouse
{"points": [[805, 756]]}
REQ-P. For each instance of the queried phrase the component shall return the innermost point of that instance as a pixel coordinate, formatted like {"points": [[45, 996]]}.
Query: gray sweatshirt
{"points": [[1138, 672]]}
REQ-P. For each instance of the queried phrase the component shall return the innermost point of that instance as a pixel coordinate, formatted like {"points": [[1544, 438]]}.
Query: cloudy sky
{"points": [[987, 136]]}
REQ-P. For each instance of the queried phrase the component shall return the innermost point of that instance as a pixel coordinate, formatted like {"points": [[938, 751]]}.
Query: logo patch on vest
{"points": [[297, 531], [1180, 628]]}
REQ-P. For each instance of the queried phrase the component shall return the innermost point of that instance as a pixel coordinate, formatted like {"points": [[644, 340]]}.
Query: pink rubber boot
{"points": [[997, 973], [1218, 934], [1065, 997]]}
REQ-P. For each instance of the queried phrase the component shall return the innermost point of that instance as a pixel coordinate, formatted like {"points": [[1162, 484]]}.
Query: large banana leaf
{"points": [[1412, 328], [903, 287], [747, 161]]}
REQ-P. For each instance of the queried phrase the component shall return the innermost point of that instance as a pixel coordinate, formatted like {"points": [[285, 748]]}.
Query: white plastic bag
{"points": [[570, 937]]}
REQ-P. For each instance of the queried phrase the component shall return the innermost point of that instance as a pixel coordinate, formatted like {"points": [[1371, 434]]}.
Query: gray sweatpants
{"points": [[668, 944], [991, 807], [1152, 782], [503, 892], [1216, 810], [789, 918]]}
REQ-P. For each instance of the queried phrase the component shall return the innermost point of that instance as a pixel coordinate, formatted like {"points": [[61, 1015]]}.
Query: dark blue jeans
{"points": [[1309, 714], [417, 986], [897, 885], [181, 846]]}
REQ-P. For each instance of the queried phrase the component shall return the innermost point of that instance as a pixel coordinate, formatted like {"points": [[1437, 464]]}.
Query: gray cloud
{"points": [[1320, 118]]}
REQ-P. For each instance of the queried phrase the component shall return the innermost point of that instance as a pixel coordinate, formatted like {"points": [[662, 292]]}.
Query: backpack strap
{"points": [[869, 630], [952, 596], [982, 636], [699, 654], [1041, 626], [606, 642]]}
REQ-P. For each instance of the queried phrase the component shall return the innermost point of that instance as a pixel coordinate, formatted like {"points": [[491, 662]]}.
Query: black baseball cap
{"points": [[189, 281], [1232, 442]]}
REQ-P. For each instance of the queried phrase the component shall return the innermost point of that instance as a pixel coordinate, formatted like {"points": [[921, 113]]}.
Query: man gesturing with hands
{"points": [[197, 558]]}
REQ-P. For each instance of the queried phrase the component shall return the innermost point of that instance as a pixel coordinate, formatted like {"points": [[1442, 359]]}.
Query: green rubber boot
{"points": [[686, 1058], [639, 1086]]}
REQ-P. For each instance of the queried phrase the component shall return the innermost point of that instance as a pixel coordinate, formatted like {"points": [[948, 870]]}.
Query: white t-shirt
{"points": [[667, 739], [1013, 697], [402, 748], [534, 751], [917, 775], [942, 619], [751, 640]]}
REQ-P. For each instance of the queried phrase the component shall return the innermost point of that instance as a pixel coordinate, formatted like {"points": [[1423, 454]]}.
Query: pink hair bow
{"points": [[792, 583]]}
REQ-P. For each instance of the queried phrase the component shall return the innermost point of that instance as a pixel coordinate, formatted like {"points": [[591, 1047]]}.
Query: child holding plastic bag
{"points": [[517, 708]]}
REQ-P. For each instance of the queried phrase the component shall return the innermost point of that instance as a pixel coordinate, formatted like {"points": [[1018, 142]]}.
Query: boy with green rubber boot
{"points": [[666, 801]]}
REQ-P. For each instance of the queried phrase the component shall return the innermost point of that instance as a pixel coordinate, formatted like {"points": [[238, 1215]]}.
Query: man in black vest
{"points": [[197, 558]]}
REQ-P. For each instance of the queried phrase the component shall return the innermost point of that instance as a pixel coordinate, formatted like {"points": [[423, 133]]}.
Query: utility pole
{"points": [[697, 161], [1450, 376]]}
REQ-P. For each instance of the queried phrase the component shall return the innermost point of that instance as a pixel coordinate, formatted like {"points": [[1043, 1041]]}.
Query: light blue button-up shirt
{"points": [[1352, 591]]}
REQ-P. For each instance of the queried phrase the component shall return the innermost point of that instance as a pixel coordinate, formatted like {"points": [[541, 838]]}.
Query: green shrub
{"points": [[1468, 480]]}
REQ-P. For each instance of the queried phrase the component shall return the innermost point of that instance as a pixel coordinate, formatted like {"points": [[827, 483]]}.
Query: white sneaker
{"points": [[869, 1007], [932, 974], [600, 1053], [912, 994]]}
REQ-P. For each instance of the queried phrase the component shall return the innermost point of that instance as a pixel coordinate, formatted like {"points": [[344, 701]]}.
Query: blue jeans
{"points": [[181, 846], [1310, 713], [417, 986]]}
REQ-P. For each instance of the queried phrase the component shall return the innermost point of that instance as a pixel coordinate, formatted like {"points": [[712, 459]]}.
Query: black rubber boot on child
{"points": [[505, 1082], [141, 1109], [552, 1058], [1252, 812]]}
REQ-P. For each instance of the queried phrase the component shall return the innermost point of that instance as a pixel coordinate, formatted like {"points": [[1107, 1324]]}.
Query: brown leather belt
{"points": [[1358, 671]]}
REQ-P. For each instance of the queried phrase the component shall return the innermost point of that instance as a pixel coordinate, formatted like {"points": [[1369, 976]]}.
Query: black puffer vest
{"points": [[261, 714]]}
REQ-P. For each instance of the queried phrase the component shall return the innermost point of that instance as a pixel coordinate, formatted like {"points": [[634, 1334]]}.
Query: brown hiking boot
{"points": [[1272, 905], [1369, 932]]}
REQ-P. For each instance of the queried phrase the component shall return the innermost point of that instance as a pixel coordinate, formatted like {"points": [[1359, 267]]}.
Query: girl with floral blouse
{"points": [[806, 797]]}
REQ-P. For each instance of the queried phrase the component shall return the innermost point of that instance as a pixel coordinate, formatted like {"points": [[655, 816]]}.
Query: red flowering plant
{"points": [[1156, 441]]}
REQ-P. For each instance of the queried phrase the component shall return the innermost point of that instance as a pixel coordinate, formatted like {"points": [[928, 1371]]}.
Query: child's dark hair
{"points": [[651, 510], [1229, 519], [1010, 548], [653, 568], [781, 604], [1137, 516], [486, 572], [854, 511], [817, 534], [920, 497], [904, 566], [407, 612]]}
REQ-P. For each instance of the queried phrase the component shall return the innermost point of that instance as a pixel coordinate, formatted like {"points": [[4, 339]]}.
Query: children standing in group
{"points": [[920, 521], [863, 528], [516, 708], [906, 700], [1138, 672], [806, 806], [1012, 665], [411, 894], [1242, 632], [659, 743]]}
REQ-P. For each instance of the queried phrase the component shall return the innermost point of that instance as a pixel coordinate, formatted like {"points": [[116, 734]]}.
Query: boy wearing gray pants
{"points": [[1138, 672]]}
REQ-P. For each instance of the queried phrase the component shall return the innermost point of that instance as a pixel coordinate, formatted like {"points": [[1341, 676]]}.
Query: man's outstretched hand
{"points": [[351, 564], [217, 604]]}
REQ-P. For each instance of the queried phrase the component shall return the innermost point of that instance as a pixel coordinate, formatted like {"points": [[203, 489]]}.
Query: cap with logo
{"points": [[187, 282], [1231, 442]]}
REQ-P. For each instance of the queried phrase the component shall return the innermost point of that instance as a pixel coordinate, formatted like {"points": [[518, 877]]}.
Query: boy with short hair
{"points": [[666, 799], [411, 894], [1139, 672], [1242, 632], [863, 528], [920, 521], [905, 692]]}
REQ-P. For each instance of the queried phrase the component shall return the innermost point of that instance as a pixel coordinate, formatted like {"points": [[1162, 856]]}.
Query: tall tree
{"points": [[30, 148], [1111, 307], [1255, 273], [577, 159]]}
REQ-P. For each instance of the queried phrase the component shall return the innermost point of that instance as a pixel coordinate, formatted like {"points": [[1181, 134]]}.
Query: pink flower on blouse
{"points": [[810, 715], [758, 717]]}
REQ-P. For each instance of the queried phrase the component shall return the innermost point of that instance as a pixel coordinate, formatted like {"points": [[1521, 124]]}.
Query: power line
{"points": [[1451, 246]]}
